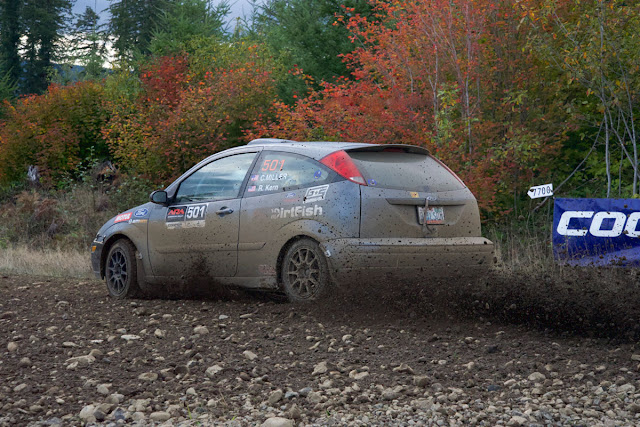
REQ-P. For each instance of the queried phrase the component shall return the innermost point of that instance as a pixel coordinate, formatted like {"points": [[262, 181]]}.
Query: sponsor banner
{"points": [[191, 216], [597, 232]]}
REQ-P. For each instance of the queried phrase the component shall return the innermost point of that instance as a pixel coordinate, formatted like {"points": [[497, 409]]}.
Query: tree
{"points": [[55, 131], [187, 108], [88, 44], [594, 46], [184, 20], [305, 33], [10, 62], [43, 22], [446, 74], [133, 23]]}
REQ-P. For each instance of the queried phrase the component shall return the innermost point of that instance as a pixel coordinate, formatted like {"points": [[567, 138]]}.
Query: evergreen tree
{"points": [[133, 23], [10, 62], [89, 44], [184, 20], [303, 30], [44, 22]]}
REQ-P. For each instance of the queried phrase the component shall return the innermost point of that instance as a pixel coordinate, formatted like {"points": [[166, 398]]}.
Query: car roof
{"points": [[319, 149], [313, 149]]}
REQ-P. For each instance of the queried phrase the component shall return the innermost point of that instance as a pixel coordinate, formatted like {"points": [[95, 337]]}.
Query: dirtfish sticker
{"points": [[122, 217], [192, 216], [296, 212], [316, 194], [141, 213]]}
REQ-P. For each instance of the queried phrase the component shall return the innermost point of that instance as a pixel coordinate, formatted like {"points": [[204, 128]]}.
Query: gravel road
{"points": [[70, 355]]}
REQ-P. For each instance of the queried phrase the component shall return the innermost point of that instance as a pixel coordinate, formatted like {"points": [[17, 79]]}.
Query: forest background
{"points": [[508, 93]]}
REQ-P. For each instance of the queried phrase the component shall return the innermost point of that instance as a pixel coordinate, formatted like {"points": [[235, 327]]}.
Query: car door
{"points": [[287, 188], [197, 234]]}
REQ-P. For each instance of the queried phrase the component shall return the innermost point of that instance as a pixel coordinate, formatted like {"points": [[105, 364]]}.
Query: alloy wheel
{"points": [[303, 272], [117, 272]]}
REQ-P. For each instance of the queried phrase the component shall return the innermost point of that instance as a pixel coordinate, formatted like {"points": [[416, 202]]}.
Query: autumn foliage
{"points": [[182, 116], [54, 131], [448, 75], [508, 94]]}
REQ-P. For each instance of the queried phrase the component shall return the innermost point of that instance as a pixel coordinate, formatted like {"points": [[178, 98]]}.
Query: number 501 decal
{"points": [[186, 216], [196, 212], [272, 165]]}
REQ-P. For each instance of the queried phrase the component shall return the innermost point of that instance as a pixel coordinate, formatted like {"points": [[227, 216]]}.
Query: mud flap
{"points": [[333, 271], [146, 288]]}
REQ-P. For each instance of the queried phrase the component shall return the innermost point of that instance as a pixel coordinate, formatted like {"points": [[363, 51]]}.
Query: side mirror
{"points": [[159, 196]]}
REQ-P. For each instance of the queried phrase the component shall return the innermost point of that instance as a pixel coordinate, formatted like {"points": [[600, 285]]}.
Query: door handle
{"points": [[224, 211]]}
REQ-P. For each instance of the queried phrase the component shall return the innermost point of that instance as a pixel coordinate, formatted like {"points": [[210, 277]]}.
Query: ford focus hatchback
{"points": [[297, 218]]}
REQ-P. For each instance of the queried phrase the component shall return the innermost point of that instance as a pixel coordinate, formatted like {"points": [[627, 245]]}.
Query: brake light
{"points": [[341, 163], [450, 171]]}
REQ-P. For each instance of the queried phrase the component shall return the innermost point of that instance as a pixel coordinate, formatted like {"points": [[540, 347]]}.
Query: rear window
{"points": [[277, 171], [404, 171]]}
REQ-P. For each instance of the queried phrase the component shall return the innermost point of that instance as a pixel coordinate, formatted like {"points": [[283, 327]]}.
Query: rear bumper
{"points": [[406, 258]]}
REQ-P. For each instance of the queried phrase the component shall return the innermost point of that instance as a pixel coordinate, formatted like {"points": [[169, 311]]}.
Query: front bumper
{"points": [[406, 258], [96, 255]]}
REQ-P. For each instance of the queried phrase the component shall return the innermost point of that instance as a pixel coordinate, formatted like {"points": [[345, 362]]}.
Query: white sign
{"points": [[541, 191]]}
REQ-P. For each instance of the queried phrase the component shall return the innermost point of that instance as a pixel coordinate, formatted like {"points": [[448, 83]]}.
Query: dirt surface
{"points": [[70, 355]]}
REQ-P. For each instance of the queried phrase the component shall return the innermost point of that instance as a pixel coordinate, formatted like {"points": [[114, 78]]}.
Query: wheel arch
{"points": [[107, 247]]}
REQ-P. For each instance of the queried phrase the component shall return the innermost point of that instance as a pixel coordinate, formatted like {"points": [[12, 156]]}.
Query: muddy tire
{"points": [[304, 272], [121, 274]]}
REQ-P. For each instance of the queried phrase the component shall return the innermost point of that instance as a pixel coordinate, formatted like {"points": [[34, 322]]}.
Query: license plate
{"points": [[431, 215]]}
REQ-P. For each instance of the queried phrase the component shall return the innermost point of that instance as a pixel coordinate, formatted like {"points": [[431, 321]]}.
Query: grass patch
{"points": [[23, 260]]}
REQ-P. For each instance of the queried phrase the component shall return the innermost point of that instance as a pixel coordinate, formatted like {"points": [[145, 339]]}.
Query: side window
{"points": [[218, 180], [277, 171]]}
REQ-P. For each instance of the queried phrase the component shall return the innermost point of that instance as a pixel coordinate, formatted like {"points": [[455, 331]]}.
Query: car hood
{"points": [[138, 209]]}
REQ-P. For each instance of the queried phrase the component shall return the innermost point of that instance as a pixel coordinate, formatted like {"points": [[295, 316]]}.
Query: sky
{"points": [[238, 7]]}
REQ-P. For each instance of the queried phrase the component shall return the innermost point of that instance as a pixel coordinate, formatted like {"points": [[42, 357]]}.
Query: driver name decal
{"points": [[192, 216]]}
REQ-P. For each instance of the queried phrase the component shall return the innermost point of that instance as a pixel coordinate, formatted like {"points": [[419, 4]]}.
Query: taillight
{"points": [[341, 163], [450, 171]]}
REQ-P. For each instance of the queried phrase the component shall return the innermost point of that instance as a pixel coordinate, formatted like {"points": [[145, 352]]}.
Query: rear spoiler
{"points": [[406, 148]]}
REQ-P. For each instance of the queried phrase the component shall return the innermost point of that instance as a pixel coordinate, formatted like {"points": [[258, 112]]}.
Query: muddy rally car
{"points": [[297, 218]]}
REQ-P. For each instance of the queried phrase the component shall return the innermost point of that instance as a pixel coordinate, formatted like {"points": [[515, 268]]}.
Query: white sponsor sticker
{"points": [[538, 191], [296, 212], [316, 194], [186, 224]]}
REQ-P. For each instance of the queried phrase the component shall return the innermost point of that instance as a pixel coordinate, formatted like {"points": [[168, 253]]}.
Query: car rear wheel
{"points": [[121, 271], [305, 274]]}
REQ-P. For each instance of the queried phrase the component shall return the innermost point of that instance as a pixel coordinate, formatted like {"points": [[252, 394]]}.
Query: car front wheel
{"points": [[305, 274], [121, 271]]}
